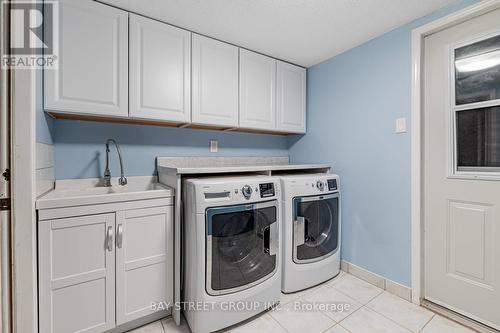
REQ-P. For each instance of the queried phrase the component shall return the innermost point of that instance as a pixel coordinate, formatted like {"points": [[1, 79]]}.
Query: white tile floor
{"points": [[367, 309]]}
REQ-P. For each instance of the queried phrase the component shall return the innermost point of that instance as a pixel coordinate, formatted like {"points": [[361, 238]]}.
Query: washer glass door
{"points": [[316, 227], [242, 246]]}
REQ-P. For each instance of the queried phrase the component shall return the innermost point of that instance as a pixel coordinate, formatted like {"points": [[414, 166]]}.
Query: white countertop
{"points": [[217, 165], [240, 168], [80, 192]]}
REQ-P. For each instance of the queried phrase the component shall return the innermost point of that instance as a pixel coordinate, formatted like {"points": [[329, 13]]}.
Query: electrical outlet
{"points": [[214, 146], [401, 125]]}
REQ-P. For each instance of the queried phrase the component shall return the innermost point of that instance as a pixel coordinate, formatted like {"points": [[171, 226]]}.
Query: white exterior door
{"points": [[215, 82], [144, 257], [77, 274], [92, 75], [160, 71], [257, 91], [291, 98], [462, 168]]}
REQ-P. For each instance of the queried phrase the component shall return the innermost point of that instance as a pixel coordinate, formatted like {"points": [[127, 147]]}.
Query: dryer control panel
{"points": [[332, 184]]}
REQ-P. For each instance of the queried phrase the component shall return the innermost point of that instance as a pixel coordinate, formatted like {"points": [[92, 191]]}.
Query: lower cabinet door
{"points": [[144, 254], [77, 274]]}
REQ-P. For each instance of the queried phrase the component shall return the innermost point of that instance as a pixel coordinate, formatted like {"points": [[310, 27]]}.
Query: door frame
{"points": [[417, 109], [24, 234], [24, 289]]}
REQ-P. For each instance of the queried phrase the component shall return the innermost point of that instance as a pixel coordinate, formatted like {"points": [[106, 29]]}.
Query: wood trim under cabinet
{"points": [[135, 121]]}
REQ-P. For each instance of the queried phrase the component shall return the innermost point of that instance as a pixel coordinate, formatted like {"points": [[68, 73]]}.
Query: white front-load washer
{"points": [[311, 230], [232, 257]]}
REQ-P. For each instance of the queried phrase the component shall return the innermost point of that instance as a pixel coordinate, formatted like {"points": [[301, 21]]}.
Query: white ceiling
{"points": [[304, 32]]}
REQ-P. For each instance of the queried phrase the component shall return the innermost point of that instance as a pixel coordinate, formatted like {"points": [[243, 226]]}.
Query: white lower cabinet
{"points": [[77, 274], [143, 261], [97, 272]]}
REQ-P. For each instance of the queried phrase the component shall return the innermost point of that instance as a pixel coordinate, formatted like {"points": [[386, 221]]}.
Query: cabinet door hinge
{"points": [[5, 204], [6, 175]]}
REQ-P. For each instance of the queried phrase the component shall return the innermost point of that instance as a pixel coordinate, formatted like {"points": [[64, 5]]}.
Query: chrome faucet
{"points": [[107, 174]]}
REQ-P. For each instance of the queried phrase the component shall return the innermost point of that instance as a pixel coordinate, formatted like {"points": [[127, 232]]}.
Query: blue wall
{"points": [[44, 123], [79, 146], [353, 101]]}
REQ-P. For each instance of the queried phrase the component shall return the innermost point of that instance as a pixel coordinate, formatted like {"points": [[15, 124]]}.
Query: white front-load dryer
{"points": [[311, 230], [232, 252]]}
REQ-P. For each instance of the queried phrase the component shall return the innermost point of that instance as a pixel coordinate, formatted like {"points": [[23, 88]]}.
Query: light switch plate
{"points": [[214, 146], [401, 125]]}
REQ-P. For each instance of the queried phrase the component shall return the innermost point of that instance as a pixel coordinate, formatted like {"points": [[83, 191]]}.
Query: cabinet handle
{"points": [[119, 236], [109, 239]]}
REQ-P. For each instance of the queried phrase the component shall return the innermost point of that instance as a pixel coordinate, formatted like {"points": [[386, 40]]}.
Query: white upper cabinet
{"points": [[291, 101], [160, 71], [215, 82], [92, 77], [119, 65], [257, 91]]}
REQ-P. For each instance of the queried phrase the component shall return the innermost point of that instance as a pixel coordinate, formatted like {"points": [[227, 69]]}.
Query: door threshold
{"points": [[459, 318]]}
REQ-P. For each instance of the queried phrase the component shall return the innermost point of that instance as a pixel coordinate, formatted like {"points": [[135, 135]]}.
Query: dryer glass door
{"points": [[242, 246], [316, 227]]}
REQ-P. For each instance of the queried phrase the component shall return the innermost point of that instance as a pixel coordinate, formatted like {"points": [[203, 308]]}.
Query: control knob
{"points": [[320, 185], [247, 191]]}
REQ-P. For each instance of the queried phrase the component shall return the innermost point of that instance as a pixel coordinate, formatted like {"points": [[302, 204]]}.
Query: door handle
{"points": [[109, 239], [267, 240], [119, 236], [299, 231], [273, 249], [271, 239]]}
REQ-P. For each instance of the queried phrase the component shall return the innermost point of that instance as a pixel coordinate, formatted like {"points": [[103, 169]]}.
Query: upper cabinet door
{"points": [[291, 102], [257, 91], [160, 71], [92, 77], [215, 82]]}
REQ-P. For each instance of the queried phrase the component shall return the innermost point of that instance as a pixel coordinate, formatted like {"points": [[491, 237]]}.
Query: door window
{"points": [[478, 139], [317, 227], [477, 72], [476, 108], [239, 246]]}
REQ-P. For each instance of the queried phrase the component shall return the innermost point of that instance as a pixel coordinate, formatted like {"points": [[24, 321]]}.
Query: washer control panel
{"points": [[215, 191]]}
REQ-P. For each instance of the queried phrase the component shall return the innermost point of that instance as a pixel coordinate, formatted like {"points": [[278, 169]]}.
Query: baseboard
{"points": [[377, 280]]}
